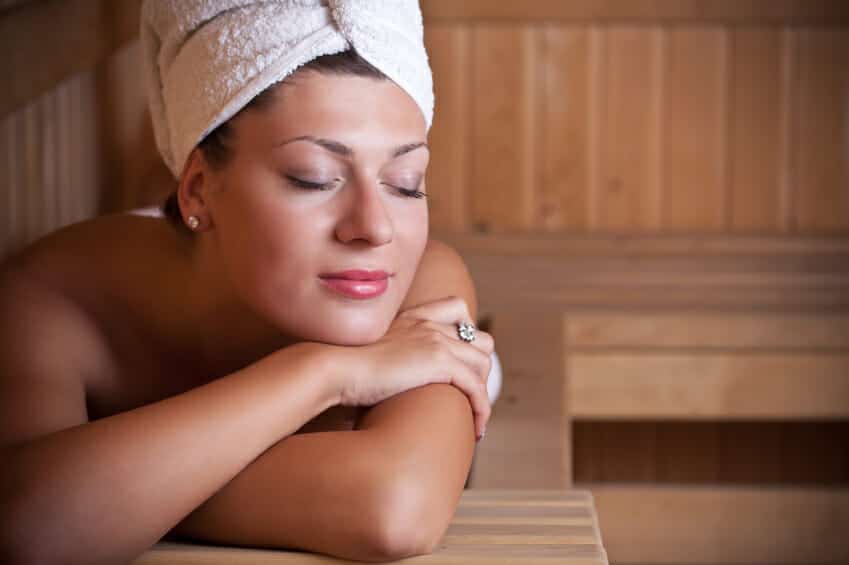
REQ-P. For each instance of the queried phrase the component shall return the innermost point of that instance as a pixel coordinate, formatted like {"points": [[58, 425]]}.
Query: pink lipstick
{"points": [[357, 283]]}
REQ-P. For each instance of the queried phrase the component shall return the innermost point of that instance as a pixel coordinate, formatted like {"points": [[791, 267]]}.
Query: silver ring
{"points": [[466, 331]]}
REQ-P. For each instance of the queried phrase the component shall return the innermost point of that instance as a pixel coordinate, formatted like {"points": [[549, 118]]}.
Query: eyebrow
{"points": [[345, 151]]}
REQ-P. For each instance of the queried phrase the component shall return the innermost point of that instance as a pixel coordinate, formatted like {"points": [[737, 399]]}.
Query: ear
{"points": [[192, 191]]}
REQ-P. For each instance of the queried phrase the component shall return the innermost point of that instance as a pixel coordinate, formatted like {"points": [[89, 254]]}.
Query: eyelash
{"points": [[300, 183]]}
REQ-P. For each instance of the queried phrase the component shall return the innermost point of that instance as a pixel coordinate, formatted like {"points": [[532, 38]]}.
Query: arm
{"points": [[407, 457], [69, 488]]}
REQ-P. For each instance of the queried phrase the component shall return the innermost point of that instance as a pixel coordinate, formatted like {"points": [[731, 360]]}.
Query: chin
{"points": [[349, 332]]}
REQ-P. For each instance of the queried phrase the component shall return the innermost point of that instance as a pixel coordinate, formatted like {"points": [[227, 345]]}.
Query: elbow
{"points": [[408, 525]]}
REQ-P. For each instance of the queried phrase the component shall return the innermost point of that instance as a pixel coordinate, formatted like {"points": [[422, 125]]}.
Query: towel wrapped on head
{"points": [[204, 60]]}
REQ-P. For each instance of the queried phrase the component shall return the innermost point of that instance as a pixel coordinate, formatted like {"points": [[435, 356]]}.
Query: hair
{"points": [[216, 146]]}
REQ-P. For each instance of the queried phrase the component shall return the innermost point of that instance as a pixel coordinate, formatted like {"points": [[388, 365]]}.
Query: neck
{"points": [[214, 331]]}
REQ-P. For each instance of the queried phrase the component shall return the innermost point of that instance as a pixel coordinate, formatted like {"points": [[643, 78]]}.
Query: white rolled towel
{"points": [[204, 60]]}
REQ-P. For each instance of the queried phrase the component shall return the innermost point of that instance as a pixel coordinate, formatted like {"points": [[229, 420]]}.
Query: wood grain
{"points": [[491, 526], [821, 12], [821, 140], [449, 173], [566, 57], [757, 99], [503, 127], [628, 194], [694, 130], [724, 330], [671, 524], [708, 386]]}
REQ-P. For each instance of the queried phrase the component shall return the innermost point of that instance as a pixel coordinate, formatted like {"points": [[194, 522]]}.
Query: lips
{"points": [[356, 283], [357, 275]]}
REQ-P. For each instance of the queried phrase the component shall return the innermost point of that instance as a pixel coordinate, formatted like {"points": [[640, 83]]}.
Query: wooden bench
{"points": [[514, 527]]}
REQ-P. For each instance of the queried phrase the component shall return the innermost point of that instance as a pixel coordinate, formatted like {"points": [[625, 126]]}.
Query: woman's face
{"points": [[316, 186]]}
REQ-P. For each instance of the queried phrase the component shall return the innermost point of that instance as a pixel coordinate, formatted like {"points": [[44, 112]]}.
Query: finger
{"points": [[483, 341], [479, 360], [475, 390], [450, 310]]}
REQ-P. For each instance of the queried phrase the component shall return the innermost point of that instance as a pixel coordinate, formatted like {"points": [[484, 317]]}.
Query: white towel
{"points": [[204, 60]]}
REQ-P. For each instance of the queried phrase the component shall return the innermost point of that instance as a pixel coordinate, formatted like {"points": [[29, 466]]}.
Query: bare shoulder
{"points": [[441, 273], [49, 347]]}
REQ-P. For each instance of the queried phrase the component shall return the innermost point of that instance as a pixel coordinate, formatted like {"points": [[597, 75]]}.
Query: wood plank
{"points": [[526, 439], [703, 386], [566, 59], [689, 273], [729, 330], [614, 451], [628, 194], [503, 127], [131, 165], [509, 526], [687, 454], [643, 524], [448, 175], [822, 132], [821, 12], [755, 137], [717, 453], [518, 554], [43, 43], [531, 534], [694, 130], [703, 245]]}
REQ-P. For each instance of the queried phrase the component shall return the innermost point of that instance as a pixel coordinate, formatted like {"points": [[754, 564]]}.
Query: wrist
{"points": [[322, 363]]}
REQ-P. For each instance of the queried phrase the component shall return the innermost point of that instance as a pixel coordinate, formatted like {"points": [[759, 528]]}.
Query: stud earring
{"points": [[193, 222]]}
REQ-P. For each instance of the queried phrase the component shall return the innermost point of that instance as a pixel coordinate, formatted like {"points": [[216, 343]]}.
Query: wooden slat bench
{"points": [[519, 527]]}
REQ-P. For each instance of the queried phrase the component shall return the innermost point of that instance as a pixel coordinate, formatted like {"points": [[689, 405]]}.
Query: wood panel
{"points": [[554, 273], [694, 102], [712, 453], [820, 133], [833, 249], [44, 43], [521, 527], [821, 12], [524, 281], [737, 330], [449, 175], [756, 165], [568, 59], [130, 163], [627, 194], [48, 164], [707, 386], [504, 115], [527, 437], [643, 524]]}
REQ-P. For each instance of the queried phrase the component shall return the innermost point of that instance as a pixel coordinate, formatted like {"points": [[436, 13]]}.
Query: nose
{"points": [[365, 216]]}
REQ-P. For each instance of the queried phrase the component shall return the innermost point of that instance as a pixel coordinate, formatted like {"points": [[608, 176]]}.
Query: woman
{"points": [[153, 376]]}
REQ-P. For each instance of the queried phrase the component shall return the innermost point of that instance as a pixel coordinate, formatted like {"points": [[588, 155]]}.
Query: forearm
{"points": [[383, 491], [316, 492], [71, 496]]}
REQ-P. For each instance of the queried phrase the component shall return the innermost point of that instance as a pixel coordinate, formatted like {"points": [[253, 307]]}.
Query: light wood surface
{"points": [[717, 365], [519, 527], [828, 12], [622, 386], [685, 524]]}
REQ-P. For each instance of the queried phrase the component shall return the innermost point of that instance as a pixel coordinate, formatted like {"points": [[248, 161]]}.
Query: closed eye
{"points": [[411, 192], [301, 183]]}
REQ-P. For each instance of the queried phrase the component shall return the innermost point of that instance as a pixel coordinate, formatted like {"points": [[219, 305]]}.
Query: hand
{"points": [[422, 347]]}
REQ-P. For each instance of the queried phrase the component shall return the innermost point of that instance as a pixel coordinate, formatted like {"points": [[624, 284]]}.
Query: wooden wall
{"points": [[561, 121], [653, 199]]}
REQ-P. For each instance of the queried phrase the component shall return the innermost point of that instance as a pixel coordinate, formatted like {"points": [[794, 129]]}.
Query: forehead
{"points": [[347, 108]]}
